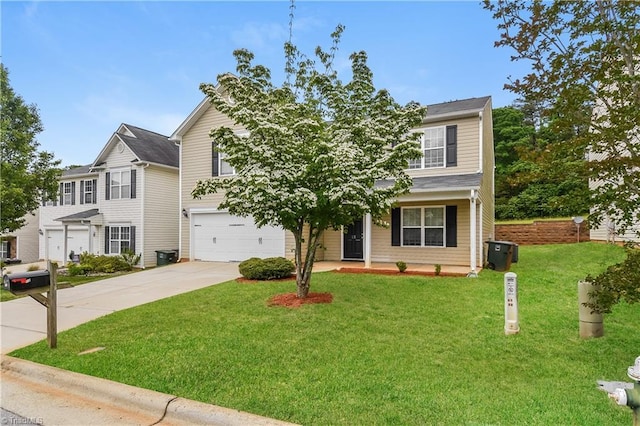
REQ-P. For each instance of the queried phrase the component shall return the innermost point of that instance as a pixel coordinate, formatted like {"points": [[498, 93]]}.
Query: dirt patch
{"points": [[290, 300], [243, 280]]}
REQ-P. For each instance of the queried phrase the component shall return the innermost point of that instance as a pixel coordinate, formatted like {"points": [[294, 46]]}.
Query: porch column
{"points": [[90, 227], [473, 236], [367, 240], [65, 230]]}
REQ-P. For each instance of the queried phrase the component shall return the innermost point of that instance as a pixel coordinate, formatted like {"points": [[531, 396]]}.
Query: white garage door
{"points": [[223, 238], [77, 240]]}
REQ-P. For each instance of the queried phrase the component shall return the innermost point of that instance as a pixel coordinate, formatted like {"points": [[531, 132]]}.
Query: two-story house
{"points": [[445, 218], [126, 199]]}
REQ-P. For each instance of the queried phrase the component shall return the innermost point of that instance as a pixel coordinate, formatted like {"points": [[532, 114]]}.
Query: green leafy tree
{"points": [[532, 179], [585, 81], [315, 150], [26, 174]]}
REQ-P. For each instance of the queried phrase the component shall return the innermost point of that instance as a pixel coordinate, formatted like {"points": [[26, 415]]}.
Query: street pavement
{"points": [[36, 394]]}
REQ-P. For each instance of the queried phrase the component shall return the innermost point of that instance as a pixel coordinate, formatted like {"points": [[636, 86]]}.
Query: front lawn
{"points": [[388, 350]]}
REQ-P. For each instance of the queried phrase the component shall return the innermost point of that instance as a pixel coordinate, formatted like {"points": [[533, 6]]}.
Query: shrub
{"points": [[130, 258], [78, 269], [32, 268], [271, 268], [619, 282], [402, 266], [103, 263], [438, 268]]}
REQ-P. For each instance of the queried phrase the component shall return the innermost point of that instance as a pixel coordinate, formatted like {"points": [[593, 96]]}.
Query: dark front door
{"points": [[353, 246]]}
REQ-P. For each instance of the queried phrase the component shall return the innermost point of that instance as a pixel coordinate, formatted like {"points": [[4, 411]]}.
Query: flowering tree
{"points": [[314, 150]]}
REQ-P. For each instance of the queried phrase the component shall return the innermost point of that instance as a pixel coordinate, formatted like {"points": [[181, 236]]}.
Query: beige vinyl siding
{"points": [[467, 146], [383, 251], [487, 188], [27, 239], [161, 215], [196, 164]]}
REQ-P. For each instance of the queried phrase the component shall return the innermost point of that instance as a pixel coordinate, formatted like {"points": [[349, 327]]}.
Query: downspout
{"points": [[180, 216], [473, 236], [480, 142], [367, 240], [142, 221]]}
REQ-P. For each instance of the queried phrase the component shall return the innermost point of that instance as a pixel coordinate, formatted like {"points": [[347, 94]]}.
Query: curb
{"points": [[75, 397]]}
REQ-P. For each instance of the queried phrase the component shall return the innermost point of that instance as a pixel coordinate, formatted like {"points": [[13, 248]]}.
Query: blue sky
{"points": [[90, 66]]}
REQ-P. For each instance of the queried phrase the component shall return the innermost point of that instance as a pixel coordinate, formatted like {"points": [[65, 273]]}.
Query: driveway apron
{"points": [[24, 321]]}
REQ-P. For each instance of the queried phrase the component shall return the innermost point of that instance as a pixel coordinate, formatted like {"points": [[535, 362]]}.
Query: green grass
{"points": [[388, 350]]}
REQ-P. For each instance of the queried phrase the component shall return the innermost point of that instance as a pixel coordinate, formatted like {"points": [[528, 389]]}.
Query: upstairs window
{"points": [[88, 191], [67, 193], [120, 184], [219, 167], [439, 148]]}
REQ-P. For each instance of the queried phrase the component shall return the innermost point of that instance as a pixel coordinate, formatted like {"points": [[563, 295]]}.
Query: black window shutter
{"points": [[132, 239], [452, 146], [62, 194], [107, 237], [215, 155], [8, 249], [73, 193], [452, 226], [81, 192], [94, 191], [133, 183], [107, 192], [395, 226]]}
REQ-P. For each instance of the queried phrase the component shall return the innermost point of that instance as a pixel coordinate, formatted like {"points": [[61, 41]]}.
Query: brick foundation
{"points": [[542, 232]]}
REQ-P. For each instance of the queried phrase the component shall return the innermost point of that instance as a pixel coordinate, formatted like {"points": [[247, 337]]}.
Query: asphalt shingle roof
{"points": [[78, 216], [432, 183], [472, 104], [151, 147]]}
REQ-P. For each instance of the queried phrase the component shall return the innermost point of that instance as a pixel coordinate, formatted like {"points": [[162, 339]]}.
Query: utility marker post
{"points": [[511, 324]]}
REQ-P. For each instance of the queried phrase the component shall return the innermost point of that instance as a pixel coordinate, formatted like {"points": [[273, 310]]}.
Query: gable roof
{"points": [[145, 145], [452, 109], [78, 171]]}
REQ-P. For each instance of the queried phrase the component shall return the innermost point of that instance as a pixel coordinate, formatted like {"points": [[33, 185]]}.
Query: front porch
{"points": [[389, 267]]}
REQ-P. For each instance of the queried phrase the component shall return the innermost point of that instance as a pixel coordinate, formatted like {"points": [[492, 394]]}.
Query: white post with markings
{"points": [[511, 324]]}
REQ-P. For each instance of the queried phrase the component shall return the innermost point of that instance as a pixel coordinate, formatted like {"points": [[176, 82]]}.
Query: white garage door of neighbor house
{"points": [[222, 237], [77, 240]]}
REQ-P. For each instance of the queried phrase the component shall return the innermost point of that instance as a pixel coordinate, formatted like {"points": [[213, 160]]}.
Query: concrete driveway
{"points": [[24, 321]]}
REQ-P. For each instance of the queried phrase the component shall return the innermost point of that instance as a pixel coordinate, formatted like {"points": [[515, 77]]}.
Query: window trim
{"points": [[119, 240], [424, 227], [120, 185]]}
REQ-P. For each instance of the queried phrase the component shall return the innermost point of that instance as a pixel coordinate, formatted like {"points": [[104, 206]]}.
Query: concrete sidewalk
{"points": [[32, 393], [51, 396]]}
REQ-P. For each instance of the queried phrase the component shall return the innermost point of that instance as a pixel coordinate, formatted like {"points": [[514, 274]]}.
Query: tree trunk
{"points": [[304, 268]]}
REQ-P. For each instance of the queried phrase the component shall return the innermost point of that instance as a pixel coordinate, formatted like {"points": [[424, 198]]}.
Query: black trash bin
{"points": [[27, 280], [165, 257], [501, 254]]}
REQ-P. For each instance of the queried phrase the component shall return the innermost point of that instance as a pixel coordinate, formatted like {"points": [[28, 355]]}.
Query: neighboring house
{"points": [[126, 199], [445, 218], [22, 243]]}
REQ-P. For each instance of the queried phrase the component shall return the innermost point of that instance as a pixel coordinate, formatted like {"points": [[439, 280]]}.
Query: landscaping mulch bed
{"points": [[291, 300], [398, 273]]}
